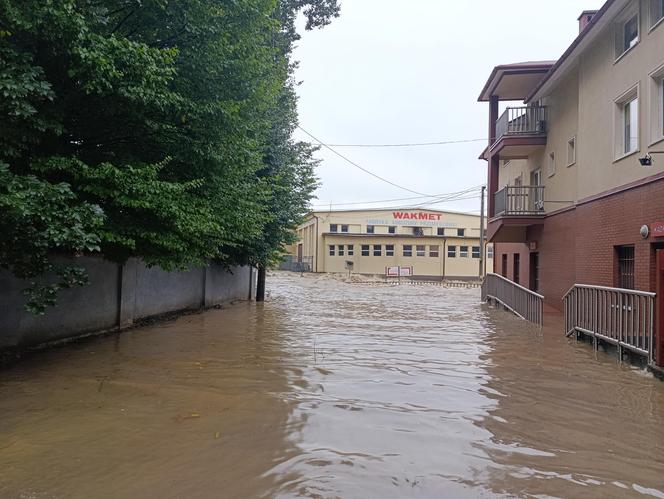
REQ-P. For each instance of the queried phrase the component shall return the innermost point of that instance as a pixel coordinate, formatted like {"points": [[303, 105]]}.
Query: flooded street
{"points": [[328, 390]]}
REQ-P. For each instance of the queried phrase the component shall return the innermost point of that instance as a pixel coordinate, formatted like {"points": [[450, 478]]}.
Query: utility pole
{"points": [[482, 245]]}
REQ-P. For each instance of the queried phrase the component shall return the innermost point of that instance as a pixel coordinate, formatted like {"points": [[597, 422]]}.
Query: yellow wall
{"points": [[316, 238]]}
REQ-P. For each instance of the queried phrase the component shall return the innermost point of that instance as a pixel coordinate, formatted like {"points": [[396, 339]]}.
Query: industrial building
{"points": [[417, 243]]}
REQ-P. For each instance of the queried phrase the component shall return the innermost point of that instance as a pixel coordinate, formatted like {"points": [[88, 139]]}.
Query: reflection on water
{"points": [[332, 390]]}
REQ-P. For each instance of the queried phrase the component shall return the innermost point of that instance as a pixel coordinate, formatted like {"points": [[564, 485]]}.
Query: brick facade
{"points": [[579, 245]]}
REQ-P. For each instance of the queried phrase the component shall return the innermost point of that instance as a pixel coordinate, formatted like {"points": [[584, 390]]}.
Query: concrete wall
{"points": [[116, 297]]}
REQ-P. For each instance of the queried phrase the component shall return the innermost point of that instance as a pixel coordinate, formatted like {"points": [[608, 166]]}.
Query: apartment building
{"points": [[576, 187], [423, 243]]}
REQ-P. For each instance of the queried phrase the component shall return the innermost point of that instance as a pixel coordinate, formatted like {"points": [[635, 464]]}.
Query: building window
{"points": [[461, 232], [365, 250], [571, 151], [334, 228], [421, 250], [657, 104], [440, 231], [476, 251], [332, 249], [378, 250], [503, 269], [344, 228], [351, 250], [370, 229], [340, 250], [407, 250], [463, 251], [451, 252], [552, 164], [389, 250], [434, 251], [489, 252], [656, 12], [630, 125], [625, 255], [418, 231], [627, 33], [627, 123], [391, 229], [517, 262]]}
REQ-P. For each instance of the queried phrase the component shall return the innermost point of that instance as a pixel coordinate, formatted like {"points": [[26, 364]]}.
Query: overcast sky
{"points": [[389, 71]]}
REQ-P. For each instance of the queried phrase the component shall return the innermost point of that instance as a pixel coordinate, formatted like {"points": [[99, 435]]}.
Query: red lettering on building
{"points": [[401, 215]]}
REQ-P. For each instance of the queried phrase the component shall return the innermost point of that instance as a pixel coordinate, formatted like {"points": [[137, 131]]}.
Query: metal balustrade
{"points": [[621, 317], [525, 120], [521, 301], [523, 200]]}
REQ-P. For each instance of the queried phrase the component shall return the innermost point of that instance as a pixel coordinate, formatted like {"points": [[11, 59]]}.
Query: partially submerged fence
{"points": [[523, 302], [295, 264], [622, 317]]}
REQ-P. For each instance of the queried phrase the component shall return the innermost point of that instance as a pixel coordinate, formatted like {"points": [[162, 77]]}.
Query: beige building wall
{"points": [[431, 254], [583, 106]]}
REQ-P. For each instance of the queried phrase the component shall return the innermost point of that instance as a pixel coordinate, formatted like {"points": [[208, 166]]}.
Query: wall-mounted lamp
{"points": [[647, 159]]}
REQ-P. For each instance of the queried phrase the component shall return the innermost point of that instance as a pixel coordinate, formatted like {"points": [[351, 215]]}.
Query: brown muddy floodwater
{"points": [[332, 390]]}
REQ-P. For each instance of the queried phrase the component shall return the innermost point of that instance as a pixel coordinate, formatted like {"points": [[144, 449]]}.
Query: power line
{"points": [[362, 168], [412, 144], [432, 198]]}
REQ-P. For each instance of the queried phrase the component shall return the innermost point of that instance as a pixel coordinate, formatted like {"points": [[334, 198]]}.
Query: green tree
{"points": [[166, 126]]}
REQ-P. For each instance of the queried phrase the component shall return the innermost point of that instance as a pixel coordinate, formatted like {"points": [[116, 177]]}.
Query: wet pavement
{"points": [[332, 390]]}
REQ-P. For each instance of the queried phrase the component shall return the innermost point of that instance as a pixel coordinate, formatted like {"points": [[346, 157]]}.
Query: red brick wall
{"points": [[510, 249], [578, 245]]}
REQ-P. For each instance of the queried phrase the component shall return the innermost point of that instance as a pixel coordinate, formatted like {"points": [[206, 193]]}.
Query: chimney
{"points": [[585, 18]]}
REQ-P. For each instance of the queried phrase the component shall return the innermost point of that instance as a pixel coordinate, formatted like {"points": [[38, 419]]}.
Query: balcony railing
{"points": [[529, 120], [523, 302], [622, 317], [521, 200]]}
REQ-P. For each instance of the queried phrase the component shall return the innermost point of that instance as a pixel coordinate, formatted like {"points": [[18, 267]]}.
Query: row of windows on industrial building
{"points": [[407, 250], [417, 231]]}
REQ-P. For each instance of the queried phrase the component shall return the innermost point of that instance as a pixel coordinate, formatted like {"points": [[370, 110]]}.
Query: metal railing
{"points": [[622, 317], [295, 264], [523, 302], [526, 200], [526, 120]]}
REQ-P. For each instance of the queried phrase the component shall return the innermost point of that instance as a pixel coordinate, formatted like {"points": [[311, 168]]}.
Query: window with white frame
{"points": [[378, 250], [627, 31], [571, 151], [340, 250], [451, 252], [627, 123], [476, 251], [434, 251], [332, 252], [657, 104], [351, 250], [334, 228], [552, 164], [407, 250], [389, 250], [489, 252], [656, 12], [420, 250], [344, 228], [463, 251], [365, 250]]}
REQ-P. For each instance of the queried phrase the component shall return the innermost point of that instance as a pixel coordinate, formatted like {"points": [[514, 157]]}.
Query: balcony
{"points": [[521, 200], [520, 131], [515, 209]]}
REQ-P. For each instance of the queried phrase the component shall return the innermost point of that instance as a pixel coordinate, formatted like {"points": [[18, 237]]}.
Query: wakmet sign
{"points": [[413, 219]]}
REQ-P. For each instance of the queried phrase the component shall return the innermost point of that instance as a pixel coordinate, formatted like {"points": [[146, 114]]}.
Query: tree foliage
{"points": [[149, 128]]}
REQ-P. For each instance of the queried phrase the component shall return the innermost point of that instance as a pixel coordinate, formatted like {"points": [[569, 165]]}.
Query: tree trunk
{"points": [[260, 284]]}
